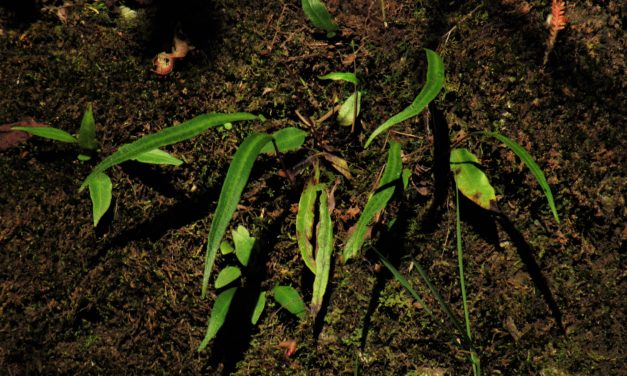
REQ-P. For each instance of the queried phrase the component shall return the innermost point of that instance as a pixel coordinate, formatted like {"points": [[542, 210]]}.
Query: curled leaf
{"points": [[433, 85], [532, 166], [304, 224], [226, 248]]}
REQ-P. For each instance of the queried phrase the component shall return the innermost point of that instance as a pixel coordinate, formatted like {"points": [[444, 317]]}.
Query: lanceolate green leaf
{"points": [[100, 188], [227, 275], [531, 165], [218, 315], [470, 180], [304, 224], [377, 202], [405, 175], [259, 306], [167, 136], [319, 16], [49, 133], [158, 156], [234, 183], [286, 139], [87, 131], [341, 76], [288, 298], [433, 85], [324, 245]]}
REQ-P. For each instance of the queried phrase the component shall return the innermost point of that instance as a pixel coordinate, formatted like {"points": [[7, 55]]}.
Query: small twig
{"points": [[448, 34], [276, 30], [329, 113], [305, 120], [405, 134]]}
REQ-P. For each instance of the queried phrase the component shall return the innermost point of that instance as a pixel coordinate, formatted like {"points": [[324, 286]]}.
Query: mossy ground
{"points": [[125, 297]]}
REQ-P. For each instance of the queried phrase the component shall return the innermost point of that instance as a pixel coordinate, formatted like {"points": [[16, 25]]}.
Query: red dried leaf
{"points": [[558, 18], [558, 22], [289, 346]]}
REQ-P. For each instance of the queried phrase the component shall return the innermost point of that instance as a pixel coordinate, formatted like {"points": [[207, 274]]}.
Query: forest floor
{"points": [[545, 298]]}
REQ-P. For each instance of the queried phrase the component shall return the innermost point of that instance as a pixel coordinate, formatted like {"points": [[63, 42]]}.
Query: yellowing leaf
{"points": [[339, 164], [347, 114], [304, 224], [470, 179]]}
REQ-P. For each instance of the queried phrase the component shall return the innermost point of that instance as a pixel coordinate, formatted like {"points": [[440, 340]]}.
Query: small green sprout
{"points": [[286, 296]]}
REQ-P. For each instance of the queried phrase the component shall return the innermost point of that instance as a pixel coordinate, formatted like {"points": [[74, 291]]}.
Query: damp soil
{"points": [[545, 298]]}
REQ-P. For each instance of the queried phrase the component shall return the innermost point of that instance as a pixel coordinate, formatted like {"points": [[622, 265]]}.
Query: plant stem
{"points": [[474, 358], [385, 22]]}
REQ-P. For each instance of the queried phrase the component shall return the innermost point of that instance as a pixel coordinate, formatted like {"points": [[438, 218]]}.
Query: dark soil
{"points": [[124, 298]]}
